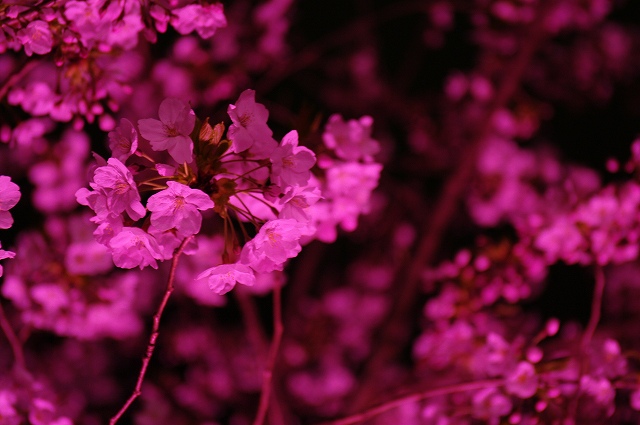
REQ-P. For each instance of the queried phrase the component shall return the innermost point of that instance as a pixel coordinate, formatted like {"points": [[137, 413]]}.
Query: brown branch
{"points": [[267, 378], [587, 336], [255, 332], [16, 345], [17, 76], [155, 332], [596, 308], [415, 397], [396, 333]]}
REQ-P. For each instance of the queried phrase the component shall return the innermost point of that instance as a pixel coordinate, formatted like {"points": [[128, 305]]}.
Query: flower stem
{"points": [[155, 332], [415, 397], [267, 376], [16, 346]]}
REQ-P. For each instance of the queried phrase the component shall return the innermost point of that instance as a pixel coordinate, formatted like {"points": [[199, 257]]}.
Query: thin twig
{"points": [[267, 376], [155, 331], [17, 76], [16, 345], [255, 332], [587, 336], [415, 397], [596, 308]]}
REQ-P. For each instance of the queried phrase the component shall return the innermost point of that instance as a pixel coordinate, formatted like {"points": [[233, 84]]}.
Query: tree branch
{"points": [[16, 345], [415, 397], [267, 379], [155, 332]]}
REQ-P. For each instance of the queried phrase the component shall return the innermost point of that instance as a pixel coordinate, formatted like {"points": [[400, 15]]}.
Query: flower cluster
{"points": [[264, 194], [92, 43], [488, 276]]}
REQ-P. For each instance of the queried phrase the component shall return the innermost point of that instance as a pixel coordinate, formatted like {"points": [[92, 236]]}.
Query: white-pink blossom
{"points": [[205, 20], [177, 208], [115, 183], [123, 141], [350, 140], [36, 38], [172, 131], [9, 197], [276, 241], [290, 163], [296, 202], [221, 279], [522, 381], [249, 128], [134, 247], [5, 254]]}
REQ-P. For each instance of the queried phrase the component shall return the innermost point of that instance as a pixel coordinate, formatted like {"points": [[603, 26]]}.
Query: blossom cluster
{"points": [[264, 195], [93, 46], [168, 214]]}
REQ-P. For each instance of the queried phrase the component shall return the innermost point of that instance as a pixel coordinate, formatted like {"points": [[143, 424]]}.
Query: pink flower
{"points": [[9, 197], [523, 381], [107, 228], [115, 183], [290, 164], [87, 258], [276, 241], [223, 278], [489, 404], [172, 132], [249, 128], [203, 19], [296, 202], [177, 208], [36, 38], [351, 140], [133, 247], [123, 141], [5, 254]]}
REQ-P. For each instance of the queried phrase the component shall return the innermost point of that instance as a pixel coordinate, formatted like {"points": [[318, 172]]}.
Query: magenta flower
{"points": [[223, 278], [203, 19], [123, 141], [249, 128], [36, 38], [9, 197], [5, 254], [296, 202], [133, 247], [290, 163], [522, 381], [276, 241], [177, 208], [172, 131], [351, 140], [115, 182]]}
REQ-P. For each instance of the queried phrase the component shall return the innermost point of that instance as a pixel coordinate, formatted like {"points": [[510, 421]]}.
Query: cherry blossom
{"points": [[123, 141], [172, 131], [351, 140], [276, 241], [177, 208], [221, 279], [205, 19], [290, 163], [5, 254], [114, 192], [133, 247], [249, 128], [9, 197], [36, 38]]}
